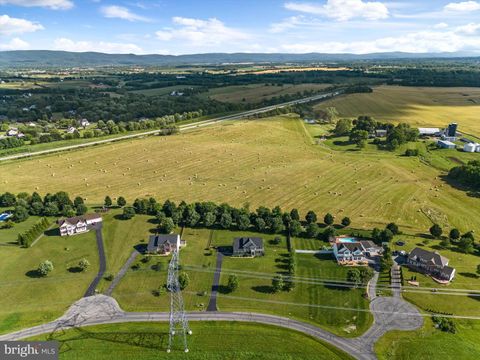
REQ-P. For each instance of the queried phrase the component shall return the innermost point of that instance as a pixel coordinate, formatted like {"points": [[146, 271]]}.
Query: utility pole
{"points": [[178, 317]]}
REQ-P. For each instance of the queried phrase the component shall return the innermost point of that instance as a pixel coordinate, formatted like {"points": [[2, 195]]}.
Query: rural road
{"points": [[389, 314], [181, 128]]}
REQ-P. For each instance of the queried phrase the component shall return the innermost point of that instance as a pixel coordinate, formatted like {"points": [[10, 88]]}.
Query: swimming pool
{"points": [[347, 240], [4, 216]]}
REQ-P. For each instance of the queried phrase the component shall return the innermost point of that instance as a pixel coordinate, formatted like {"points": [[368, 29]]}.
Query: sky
{"points": [[204, 26]]}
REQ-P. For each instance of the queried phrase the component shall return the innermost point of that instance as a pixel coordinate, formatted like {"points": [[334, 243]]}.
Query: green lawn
{"points": [[430, 343], [134, 292], [9, 236], [307, 302], [210, 340], [27, 300]]}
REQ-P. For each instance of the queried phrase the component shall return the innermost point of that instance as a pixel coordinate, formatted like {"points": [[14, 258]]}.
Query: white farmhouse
{"points": [[78, 224]]}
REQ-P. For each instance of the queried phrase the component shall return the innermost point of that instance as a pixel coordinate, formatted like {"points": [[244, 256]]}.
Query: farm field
{"points": [[150, 340], [255, 93], [263, 162], [431, 343], [28, 300], [418, 106]]}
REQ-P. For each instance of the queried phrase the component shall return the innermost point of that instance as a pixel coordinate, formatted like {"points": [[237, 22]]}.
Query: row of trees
{"points": [[209, 214], [465, 242], [58, 204], [25, 239]]}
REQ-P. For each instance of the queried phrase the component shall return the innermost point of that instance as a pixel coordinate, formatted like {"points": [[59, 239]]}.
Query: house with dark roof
{"points": [[430, 263], [78, 224], [248, 246], [163, 244]]}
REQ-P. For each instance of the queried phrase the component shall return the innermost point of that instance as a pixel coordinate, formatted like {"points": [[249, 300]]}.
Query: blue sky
{"points": [[194, 26]]}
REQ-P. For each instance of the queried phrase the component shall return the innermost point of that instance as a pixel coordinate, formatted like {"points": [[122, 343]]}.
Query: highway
{"points": [[185, 127]]}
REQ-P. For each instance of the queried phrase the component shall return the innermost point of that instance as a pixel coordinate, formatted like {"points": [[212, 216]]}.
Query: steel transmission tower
{"points": [[178, 317]]}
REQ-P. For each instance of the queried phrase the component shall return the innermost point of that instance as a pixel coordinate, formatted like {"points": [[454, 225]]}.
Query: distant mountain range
{"points": [[46, 58]]}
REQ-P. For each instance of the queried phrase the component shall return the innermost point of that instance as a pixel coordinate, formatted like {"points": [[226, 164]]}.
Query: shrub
{"points": [[45, 268]]}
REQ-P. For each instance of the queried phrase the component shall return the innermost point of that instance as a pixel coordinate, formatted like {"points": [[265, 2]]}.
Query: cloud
{"points": [[286, 24], [120, 12], [343, 10], [464, 6], [468, 29], [10, 25], [100, 46], [52, 4], [15, 44], [200, 32], [441, 25], [414, 42]]}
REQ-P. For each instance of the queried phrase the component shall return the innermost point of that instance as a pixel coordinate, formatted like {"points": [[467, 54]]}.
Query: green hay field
{"points": [[418, 106], [260, 162]]}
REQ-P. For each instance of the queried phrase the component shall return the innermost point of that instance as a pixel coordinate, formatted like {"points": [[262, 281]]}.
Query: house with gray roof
{"points": [[248, 246], [430, 263], [163, 244]]}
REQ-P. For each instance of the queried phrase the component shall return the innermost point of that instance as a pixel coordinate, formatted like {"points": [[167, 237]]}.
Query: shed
{"points": [[445, 144], [470, 147]]}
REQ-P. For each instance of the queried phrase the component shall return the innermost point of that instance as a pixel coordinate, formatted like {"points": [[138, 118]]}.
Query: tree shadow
{"points": [[225, 250], [325, 257], [469, 190], [34, 274], [222, 289], [153, 221], [264, 289], [52, 232], [120, 217], [141, 248], [74, 269], [469, 275]]}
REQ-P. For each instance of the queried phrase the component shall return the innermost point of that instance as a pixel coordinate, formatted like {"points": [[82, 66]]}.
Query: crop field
{"points": [[257, 92], [261, 162], [418, 106], [150, 341], [29, 300]]}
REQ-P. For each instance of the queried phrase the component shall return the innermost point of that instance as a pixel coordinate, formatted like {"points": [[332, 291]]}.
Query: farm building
{"points": [[163, 244], [381, 133], [470, 147], [429, 131], [78, 224], [431, 263], [445, 144], [248, 246]]}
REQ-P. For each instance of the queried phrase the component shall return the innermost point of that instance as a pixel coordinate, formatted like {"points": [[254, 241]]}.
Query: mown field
{"points": [[150, 341], [255, 93], [419, 106], [263, 162]]}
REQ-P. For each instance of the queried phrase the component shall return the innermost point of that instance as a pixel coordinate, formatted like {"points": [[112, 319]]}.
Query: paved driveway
{"points": [[101, 259]]}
